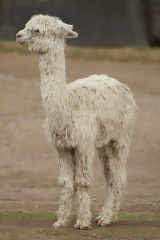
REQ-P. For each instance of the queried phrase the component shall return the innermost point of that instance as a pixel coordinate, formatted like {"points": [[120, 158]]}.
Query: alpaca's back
{"points": [[104, 102], [100, 91]]}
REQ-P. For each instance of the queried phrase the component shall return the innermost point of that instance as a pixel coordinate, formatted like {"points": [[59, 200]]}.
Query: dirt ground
{"points": [[28, 167]]}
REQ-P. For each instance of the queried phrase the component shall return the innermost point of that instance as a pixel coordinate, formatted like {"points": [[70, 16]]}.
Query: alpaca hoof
{"points": [[82, 227], [58, 224], [101, 221]]}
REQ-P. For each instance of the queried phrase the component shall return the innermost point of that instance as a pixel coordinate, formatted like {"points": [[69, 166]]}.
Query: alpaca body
{"points": [[101, 104], [91, 118]]}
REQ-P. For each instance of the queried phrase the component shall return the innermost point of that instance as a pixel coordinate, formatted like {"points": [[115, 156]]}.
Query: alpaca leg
{"points": [[83, 179], [66, 180], [114, 166]]}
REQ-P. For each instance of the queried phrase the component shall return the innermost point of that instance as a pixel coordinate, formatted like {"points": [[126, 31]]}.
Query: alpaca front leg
{"points": [[84, 213], [82, 181], [66, 176]]}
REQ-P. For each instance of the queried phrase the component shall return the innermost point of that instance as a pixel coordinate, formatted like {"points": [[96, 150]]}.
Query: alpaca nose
{"points": [[18, 35]]}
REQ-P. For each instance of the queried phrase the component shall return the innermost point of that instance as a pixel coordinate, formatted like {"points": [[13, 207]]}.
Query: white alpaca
{"points": [[91, 118]]}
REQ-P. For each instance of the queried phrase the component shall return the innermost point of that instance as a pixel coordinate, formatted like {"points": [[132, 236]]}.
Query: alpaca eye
{"points": [[36, 30]]}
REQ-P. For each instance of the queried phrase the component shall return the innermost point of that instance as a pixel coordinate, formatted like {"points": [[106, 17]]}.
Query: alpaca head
{"points": [[43, 32]]}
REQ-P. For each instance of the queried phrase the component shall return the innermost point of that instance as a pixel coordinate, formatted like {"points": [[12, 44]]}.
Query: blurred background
{"points": [[100, 23], [118, 38]]}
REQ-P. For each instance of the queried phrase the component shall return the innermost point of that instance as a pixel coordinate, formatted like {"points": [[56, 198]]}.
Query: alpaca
{"points": [[90, 118]]}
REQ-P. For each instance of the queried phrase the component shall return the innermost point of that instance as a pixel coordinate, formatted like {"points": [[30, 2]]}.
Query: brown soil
{"points": [[42, 229], [28, 168]]}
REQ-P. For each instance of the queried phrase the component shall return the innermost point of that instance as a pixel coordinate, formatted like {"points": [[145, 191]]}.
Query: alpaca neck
{"points": [[52, 74]]}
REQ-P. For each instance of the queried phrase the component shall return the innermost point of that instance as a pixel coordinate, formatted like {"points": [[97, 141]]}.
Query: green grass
{"points": [[139, 217], [127, 54], [130, 227], [43, 215]]}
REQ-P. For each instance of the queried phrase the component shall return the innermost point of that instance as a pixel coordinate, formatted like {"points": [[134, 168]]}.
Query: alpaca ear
{"points": [[70, 34], [67, 32]]}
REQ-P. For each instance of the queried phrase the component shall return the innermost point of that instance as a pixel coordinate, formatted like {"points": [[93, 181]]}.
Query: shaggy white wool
{"points": [[91, 118]]}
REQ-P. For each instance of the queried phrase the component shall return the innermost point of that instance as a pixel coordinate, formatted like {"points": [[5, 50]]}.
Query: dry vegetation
{"points": [[127, 54]]}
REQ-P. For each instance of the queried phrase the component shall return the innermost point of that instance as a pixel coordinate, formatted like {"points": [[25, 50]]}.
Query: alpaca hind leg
{"points": [[66, 180], [114, 165]]}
